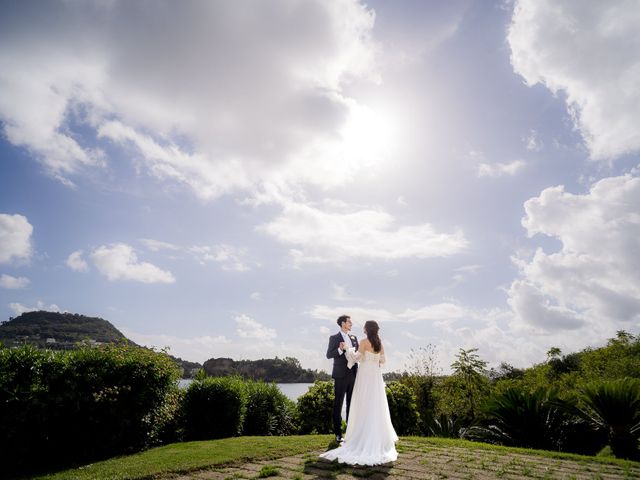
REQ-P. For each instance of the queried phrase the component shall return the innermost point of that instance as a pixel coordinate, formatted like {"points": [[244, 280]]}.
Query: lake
{"points": [[291, 390]]}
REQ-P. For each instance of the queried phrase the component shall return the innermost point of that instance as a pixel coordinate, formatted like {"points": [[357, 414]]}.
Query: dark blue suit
{"points": [[343, 377]]}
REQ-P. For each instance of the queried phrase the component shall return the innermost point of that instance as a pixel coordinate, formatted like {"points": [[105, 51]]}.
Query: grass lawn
{"points": [[456, 442], [434, 453], [189, 456]]}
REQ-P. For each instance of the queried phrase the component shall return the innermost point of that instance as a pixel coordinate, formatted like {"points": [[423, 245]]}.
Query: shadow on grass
{"points": [[323, 469]]}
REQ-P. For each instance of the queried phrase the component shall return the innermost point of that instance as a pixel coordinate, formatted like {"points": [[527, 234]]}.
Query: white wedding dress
{"points": [[370, 437]]}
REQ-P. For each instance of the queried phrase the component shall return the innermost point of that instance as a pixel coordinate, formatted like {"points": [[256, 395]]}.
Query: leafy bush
{"points": [[315, 408], [614, 407], [422, 388], [403, 409], [214, 408], [61, 407], [269, 411], [168, 419], [444, 426], [571, 373], [524, 419]]}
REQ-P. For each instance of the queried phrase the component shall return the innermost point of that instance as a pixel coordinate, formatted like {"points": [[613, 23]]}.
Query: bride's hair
{"points": [[372, 328]]}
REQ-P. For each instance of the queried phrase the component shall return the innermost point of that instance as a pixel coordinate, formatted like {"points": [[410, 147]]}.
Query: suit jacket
{"points": [[340, 369]]}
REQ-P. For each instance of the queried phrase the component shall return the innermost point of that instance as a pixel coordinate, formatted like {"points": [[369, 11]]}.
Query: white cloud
{"points": [[157, 245], [340, 292], [439, 314], [7, 281], [475, 155], [247, 327], [15, 238], [594, 280], [589, 51], [37, 94], [195, 349], [462, 273], [204, 347], [448, 326], [76, 262], [256, 296], [228, 256], [532, 142], [262, 89], [120, 262], [19, 308], [411, 336], [341, 233], [534, 309], [500, 169]]}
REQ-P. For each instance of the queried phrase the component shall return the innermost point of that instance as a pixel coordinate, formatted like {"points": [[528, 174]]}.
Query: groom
{"points": [[343, 377]]}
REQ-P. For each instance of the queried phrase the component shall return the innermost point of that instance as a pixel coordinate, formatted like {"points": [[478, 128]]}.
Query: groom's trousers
{"points": [[342, 386]]}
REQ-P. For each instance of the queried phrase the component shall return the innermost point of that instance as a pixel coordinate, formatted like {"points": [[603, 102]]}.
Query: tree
{"points": [[423, 362], [469, 369], [506, 371], [553, 352]]}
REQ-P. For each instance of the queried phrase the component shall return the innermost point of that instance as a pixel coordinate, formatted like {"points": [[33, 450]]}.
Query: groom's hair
{"points": [[342, 319]]}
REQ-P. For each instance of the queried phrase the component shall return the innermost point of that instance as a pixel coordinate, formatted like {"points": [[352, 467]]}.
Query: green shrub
{"points": [[61, 407], [168, 420], [315, 408], [214, 408], [443, 426], [269, 411], [403, 409], [520, 418], [422, 388], [614, 408]]}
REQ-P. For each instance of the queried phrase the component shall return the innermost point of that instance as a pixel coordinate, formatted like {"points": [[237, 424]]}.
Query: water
{"points": [[291, 390]]}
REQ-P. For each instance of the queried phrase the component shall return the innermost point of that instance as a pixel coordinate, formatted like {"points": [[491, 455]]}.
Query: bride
{"points": [[370, 437]]}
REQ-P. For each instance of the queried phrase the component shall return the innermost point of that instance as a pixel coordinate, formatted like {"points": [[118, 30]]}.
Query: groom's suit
{"points": [[343, 377]]}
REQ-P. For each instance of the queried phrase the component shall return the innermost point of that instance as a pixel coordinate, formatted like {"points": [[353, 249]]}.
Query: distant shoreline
{"points": [[293, 390]]}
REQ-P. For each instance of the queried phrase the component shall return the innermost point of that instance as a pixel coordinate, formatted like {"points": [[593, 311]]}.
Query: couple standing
{"points": [[370, 437]]}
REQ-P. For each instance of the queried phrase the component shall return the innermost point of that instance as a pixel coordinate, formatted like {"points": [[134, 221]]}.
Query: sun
{"points": [[368, 136]]}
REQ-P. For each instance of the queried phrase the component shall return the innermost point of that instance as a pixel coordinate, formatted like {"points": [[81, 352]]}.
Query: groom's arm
{"points": [[333, 350]]}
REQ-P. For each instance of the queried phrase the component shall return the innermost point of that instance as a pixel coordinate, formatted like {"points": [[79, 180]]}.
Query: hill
{"points": [[280, 370], [63, 328], [63, 331]]}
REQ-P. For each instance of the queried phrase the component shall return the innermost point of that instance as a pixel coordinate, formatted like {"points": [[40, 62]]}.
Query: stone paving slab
{"points": [[419, 461]]}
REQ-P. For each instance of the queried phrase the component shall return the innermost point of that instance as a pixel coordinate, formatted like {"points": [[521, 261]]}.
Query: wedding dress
{"points": [[370, 437]]}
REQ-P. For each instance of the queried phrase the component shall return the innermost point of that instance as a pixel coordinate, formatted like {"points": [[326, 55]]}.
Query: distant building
{"points": [[51, 340]]}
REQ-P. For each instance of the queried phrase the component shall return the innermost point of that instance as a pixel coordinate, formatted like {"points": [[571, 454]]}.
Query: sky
{"points": [[227, 178]]}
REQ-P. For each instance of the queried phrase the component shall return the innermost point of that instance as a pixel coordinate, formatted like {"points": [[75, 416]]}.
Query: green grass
{"points": [[190, 456], [466, 444], [179, 458], [268, 471]]}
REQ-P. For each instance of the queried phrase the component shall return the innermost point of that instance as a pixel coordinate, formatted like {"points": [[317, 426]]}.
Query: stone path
{"points": [[418, 460]]}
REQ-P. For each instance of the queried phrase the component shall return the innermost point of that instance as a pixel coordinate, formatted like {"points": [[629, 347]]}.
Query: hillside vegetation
{"points": [[63, 327], [279, 370], [63, 331]]}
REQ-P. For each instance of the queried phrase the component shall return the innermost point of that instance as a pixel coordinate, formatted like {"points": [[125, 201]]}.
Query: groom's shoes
{"points": [[339, 439]]}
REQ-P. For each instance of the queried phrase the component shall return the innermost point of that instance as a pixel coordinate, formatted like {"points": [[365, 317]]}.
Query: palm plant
{"points": [[445, 426], [523, 419], [614, 407]]}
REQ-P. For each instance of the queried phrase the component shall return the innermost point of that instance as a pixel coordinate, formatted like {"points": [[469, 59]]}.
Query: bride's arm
{"points": [[354, 356], [382, 357]]}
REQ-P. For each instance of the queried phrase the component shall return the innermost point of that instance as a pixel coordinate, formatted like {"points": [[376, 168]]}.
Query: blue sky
{"points": [[228, 178]]}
